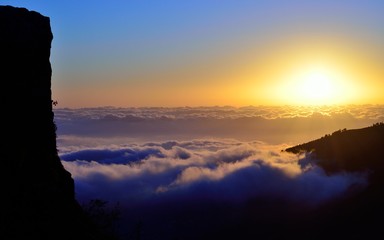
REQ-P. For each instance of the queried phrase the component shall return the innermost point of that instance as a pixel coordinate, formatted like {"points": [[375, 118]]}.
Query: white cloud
{"points": [[231, 170]]}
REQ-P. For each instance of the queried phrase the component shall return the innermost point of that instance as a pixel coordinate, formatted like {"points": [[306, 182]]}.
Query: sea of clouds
{"points": [[283, 124], [157, 163], [201, 169]]}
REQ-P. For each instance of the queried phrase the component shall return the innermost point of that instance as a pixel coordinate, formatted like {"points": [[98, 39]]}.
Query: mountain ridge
{"points": [[347, 150]]}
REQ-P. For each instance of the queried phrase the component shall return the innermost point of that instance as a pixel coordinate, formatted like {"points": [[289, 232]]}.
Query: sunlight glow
{"points": [[316, 84]]}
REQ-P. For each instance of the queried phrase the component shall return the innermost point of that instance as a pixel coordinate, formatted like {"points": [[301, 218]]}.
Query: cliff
{"points": [[38, 199]]}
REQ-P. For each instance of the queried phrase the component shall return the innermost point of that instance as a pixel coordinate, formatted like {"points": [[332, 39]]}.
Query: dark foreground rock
{"points": [[37, 193]]}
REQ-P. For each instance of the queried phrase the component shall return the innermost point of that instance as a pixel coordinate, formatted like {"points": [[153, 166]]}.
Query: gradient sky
{"points": [[202, 52]]}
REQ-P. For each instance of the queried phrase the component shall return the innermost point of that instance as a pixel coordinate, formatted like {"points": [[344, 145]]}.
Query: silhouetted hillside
{"points": [[348, 150], [358, 215]]}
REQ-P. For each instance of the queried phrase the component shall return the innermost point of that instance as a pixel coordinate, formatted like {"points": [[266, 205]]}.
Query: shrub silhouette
{"points": [[103, 215]]}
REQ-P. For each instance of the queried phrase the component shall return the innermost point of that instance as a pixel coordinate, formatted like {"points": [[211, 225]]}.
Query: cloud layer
{"points": [[274, 125], [227, 170], [205, 169], [375, 112], [200, 172]]}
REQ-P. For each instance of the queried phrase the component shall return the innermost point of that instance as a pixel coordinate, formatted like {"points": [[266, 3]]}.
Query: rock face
{"points": [[37, 192]]}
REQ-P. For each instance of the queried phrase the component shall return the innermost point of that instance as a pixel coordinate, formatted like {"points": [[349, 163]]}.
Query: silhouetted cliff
{"points": [[37, 193]]}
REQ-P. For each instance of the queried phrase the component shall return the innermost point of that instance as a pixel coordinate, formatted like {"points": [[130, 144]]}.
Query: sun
{"points": [[317, 85], [314, 84]]}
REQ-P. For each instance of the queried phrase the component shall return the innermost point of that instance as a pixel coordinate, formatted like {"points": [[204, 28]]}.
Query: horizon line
{"points": [[226, 106]]}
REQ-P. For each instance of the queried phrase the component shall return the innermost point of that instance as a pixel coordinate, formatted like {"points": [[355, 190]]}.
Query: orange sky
{"points": [[198, 53]]}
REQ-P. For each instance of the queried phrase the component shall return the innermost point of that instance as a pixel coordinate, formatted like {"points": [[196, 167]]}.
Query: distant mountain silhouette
{"points": [[37, 194], [348, 150]]}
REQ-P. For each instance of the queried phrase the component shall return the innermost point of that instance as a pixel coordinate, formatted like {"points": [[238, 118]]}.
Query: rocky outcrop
{"points": [[37, 199]]}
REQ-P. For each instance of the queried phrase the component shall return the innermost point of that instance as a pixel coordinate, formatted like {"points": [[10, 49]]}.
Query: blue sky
{"points": [[141, 53]]}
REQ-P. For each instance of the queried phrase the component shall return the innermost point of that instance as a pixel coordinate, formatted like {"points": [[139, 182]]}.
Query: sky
{"points": [[214, 53]]}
